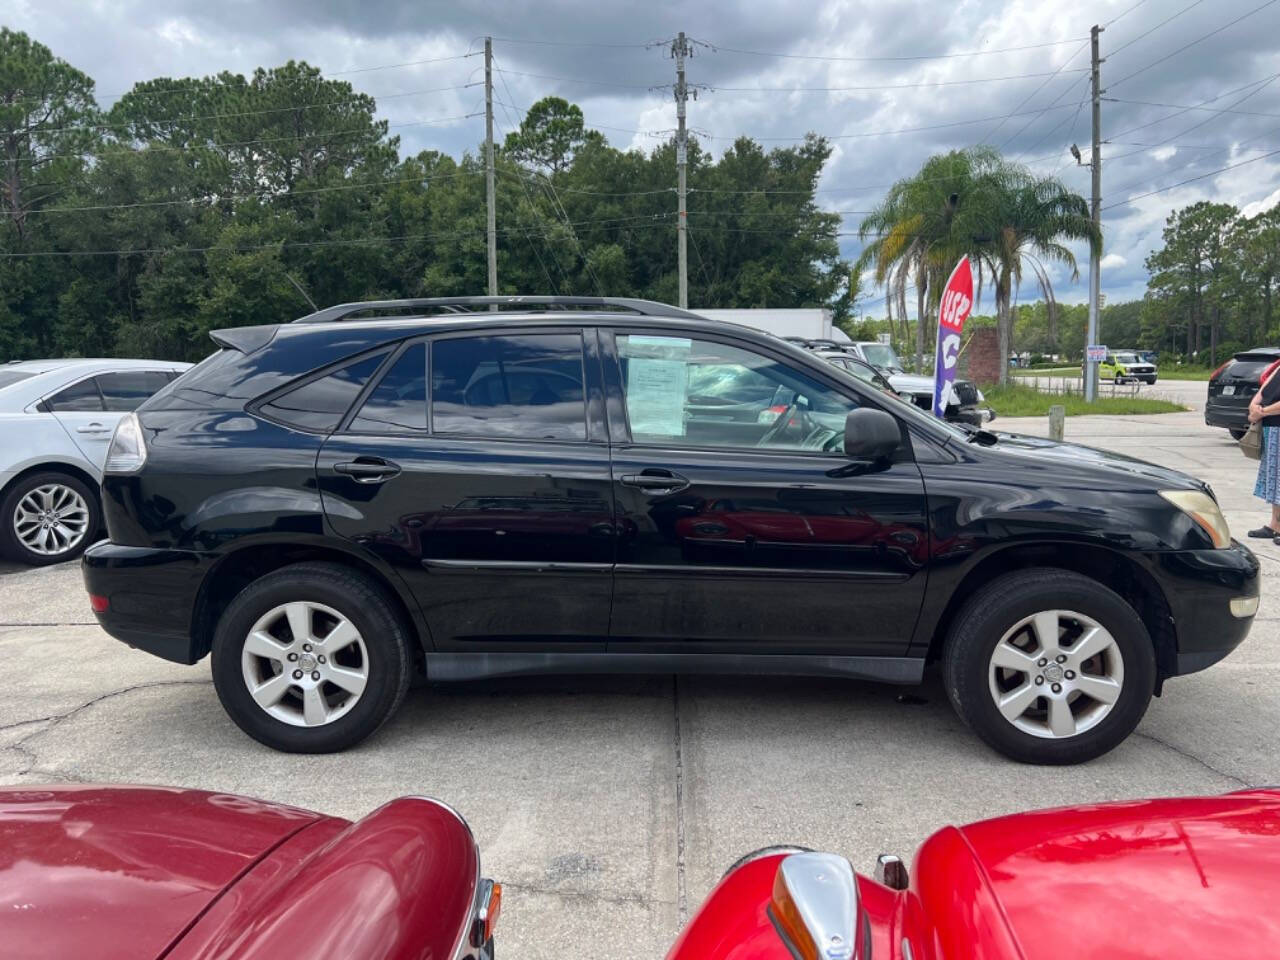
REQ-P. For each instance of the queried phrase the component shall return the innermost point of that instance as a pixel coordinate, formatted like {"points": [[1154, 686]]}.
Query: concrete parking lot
{"points": [[610, 806]]}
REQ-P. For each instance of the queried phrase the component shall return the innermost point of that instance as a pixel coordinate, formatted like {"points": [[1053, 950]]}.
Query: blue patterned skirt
{"points": [[1268, 485]]}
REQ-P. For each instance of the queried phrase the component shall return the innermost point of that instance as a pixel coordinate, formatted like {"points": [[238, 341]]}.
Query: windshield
{"points": [[881, 355], [1126, 358], [8, 377]]}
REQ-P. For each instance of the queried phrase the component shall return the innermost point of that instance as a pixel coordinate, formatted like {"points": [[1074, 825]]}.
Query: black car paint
{"points": [[1243, 375], [536, 551]]}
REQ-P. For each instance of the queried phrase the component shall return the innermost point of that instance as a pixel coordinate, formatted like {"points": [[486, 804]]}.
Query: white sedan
{"points": [[56, 422]]}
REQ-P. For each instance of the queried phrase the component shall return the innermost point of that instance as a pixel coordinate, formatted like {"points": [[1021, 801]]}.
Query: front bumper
{"points": [[151, 596], [1199, 586]]}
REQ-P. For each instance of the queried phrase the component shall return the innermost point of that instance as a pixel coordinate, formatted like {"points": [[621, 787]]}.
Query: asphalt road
{"points": [[610, 806], [1190, 393]]}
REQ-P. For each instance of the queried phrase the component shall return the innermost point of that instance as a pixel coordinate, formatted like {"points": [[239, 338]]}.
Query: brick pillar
{"points": [[980, 361]]}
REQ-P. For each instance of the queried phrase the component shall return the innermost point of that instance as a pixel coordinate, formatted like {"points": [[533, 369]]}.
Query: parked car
{"points": [[140, 873], [966, 401], [1125, 365], [56, 420], [287, 507], [1155, 878], [1233, 385]]}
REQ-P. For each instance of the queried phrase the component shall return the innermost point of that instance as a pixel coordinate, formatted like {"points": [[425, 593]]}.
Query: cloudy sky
{"points": [[889, 82]]}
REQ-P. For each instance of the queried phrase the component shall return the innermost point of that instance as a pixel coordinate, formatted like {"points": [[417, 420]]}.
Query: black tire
{"points": [[13, 547], [1118, 379], [1236, 434], [366, 605], [1151, 381], [995, 609]]}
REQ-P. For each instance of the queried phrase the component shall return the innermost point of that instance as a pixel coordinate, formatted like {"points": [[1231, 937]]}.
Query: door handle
{"points": [[93, 428], [656, 482], [368, 469]]}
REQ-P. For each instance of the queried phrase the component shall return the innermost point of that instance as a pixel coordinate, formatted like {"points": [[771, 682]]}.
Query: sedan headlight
{"points": [[127, 452], [1201, 508]]}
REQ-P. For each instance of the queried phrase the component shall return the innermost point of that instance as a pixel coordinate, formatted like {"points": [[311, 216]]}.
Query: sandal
{"points": [[1264, 533]]}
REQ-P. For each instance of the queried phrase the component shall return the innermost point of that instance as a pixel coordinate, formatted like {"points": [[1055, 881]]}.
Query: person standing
{"points": [[1264, 409]]}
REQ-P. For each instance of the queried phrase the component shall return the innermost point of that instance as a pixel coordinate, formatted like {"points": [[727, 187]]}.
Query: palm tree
{"points": [[1034, 219], [976, 203]]}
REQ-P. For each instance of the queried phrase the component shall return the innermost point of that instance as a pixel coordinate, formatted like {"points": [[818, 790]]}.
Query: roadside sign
{"points": [[1096, 353], [883, 338]]}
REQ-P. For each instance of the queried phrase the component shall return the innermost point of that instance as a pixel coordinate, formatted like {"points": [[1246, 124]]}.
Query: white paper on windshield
{"points": [[657, 384]]}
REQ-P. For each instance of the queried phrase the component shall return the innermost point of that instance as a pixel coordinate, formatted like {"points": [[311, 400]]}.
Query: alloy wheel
{"points": [[51, 519], [305, 664], [1056, 674]]}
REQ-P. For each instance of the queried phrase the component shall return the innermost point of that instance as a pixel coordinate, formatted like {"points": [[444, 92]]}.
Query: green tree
{"points": [[548, 136]]}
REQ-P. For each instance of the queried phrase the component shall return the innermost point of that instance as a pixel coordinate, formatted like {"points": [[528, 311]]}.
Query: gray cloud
{"points": [[123, 42]]}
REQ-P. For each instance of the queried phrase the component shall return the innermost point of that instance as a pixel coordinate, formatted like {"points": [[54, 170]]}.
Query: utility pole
{"points": [[680, 49], [488, 170], [1095, 168]]}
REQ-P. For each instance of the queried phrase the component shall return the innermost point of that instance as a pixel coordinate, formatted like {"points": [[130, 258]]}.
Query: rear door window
{"points": [[320, 403], [398, 404], [527, 386], [77, 397], [126, 390]]}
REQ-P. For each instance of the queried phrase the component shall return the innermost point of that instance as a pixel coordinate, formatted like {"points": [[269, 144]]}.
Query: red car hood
{"points": [[1148, 879], [123, 869]]}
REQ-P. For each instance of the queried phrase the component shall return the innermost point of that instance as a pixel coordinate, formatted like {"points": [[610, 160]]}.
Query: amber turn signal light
{"points": [[814, 906]]}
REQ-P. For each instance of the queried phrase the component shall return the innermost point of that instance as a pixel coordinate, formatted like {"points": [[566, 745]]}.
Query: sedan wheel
{"points": [[305, 664], [48, 518], [1056, 673]]}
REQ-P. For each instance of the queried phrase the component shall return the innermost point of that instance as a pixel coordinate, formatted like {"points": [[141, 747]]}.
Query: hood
{"points": [[1075, 456], [118, 873], [1147, 879], [911, 383]]}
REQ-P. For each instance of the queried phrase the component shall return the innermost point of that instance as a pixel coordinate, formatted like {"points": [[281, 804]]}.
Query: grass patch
{"points": [[1015, 400], [1173, 373]]}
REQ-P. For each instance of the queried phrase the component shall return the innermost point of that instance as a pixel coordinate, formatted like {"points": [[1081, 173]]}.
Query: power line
{"points": [[1211, 173], [579, 43], [1125, 13], [1147, 33], [186, 118], [1032, 95], [1182, 108], [172, 148], [927, 56], [319, 78], [261, 195], [1187, 46]]}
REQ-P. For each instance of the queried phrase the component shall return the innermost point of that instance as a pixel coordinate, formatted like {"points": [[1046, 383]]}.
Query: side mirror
{"points": [[870, 435]]}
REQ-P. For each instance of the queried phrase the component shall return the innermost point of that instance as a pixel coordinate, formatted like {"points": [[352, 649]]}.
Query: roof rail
{"points": [[456, 305]]}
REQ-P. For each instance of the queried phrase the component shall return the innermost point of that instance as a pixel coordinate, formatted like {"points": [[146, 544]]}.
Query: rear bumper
{"points": [[1230, 415], [151, 595], [1199, 586]]}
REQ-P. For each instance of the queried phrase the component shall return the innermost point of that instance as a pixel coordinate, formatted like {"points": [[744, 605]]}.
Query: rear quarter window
{"points": [[320, 403]]}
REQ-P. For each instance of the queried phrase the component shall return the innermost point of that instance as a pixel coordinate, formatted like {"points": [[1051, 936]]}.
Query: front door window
{"points": [[699, 393]]}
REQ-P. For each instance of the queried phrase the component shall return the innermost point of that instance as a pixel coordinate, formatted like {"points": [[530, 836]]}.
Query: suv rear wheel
{"points": [[48, 517], [311, 658], [1048, 666]]}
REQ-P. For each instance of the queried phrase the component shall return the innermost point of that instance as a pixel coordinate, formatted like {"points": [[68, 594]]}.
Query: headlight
{"points": [[981, 398], [1201, 508], [127, 452]]}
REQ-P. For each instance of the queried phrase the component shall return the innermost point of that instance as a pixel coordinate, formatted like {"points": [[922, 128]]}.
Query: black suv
{"points": [[380, 490], [1233, 385]]}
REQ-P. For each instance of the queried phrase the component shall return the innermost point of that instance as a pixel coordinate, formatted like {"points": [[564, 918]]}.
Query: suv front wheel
{"points": [[1048, 666], [311, 658]]}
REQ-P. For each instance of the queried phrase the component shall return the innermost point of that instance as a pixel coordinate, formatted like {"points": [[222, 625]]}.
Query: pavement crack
{"points": [[1192, 757], [682, 896], [580, 895], [54, 719]]}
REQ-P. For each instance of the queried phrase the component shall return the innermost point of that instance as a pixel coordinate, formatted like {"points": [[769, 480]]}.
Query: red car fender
{"points": [[400, 884], [951, 912]]}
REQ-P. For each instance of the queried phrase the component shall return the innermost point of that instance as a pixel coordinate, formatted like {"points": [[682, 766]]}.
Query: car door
{"points": [[478, 465], [742, 527], [90, 408]]}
